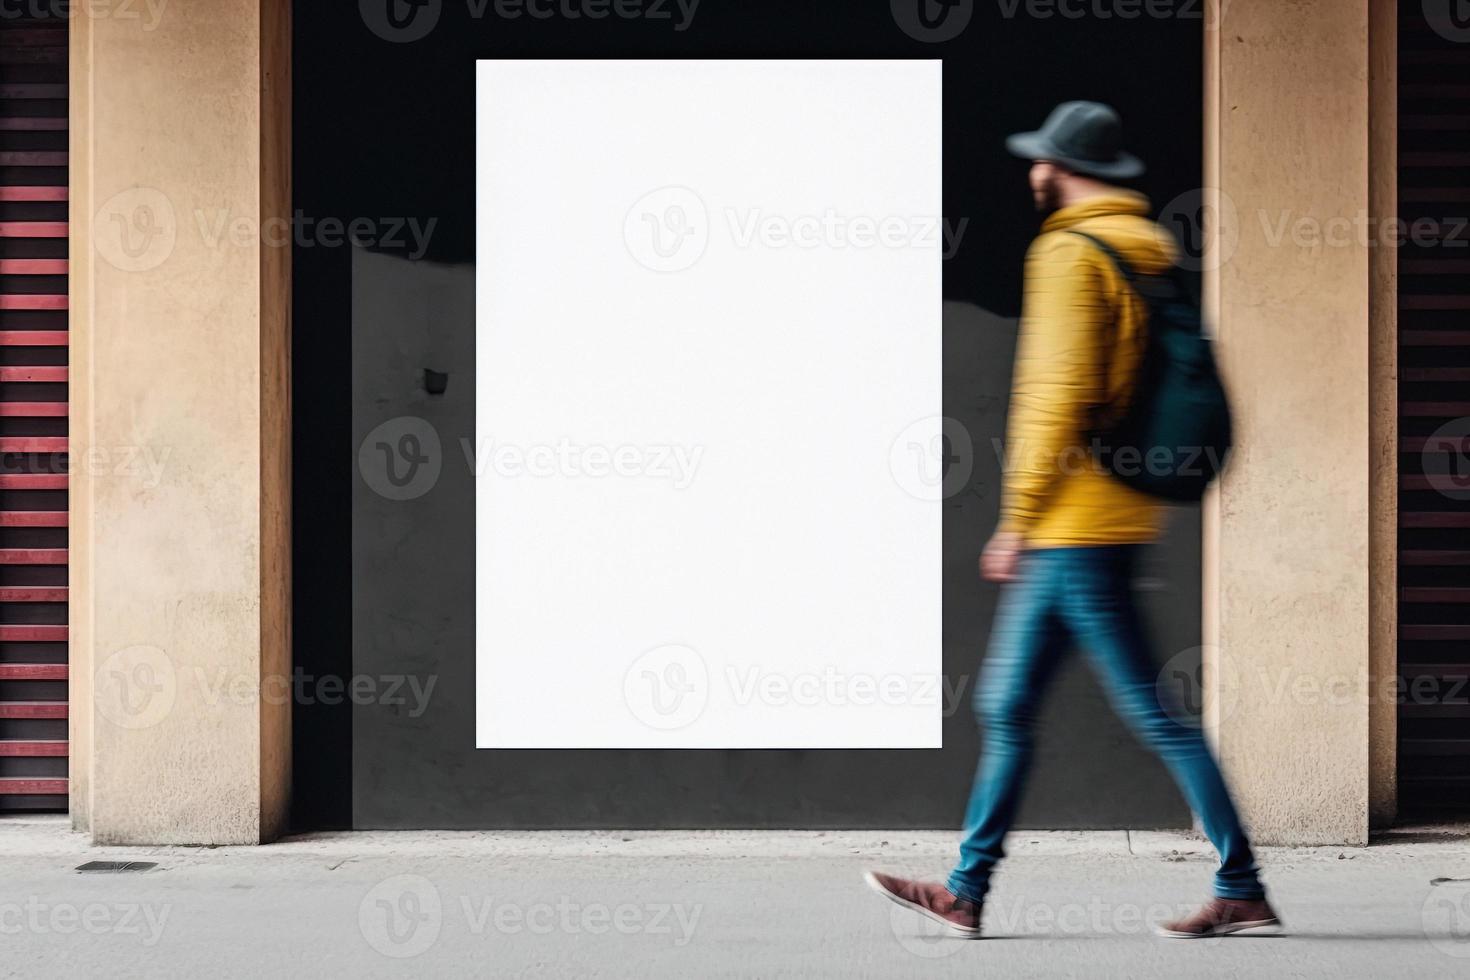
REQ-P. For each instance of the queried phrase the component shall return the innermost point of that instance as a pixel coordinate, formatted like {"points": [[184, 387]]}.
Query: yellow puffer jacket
{"points": [[1082, 332]]}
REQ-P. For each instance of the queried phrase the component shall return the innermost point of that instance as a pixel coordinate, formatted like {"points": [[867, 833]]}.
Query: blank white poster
{"points": [[708, 404]]}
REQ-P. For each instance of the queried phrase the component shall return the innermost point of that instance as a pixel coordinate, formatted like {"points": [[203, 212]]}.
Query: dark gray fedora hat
{"points": [[1085, 137]]}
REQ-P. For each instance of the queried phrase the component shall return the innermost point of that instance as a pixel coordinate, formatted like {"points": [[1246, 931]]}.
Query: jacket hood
{"points": [[1121, 202]]}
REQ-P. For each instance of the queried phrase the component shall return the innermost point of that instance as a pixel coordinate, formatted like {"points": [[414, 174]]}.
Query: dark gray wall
{"points": [[415, 764]]}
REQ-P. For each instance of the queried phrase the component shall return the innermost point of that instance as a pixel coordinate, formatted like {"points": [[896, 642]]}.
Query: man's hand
{"points": [[1001, 557]]}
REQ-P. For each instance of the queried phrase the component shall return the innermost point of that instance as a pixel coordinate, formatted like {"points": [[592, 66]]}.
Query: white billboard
{"points": [[708, 356]]}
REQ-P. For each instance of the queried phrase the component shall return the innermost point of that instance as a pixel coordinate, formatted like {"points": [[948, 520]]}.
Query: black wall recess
{"points": [[385, 131]]}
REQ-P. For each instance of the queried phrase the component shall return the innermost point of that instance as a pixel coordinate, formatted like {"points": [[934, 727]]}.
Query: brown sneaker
{"points": [[960, 917], [1221, 917]]}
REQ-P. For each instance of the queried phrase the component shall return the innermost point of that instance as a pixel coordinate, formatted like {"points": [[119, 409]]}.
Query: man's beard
{"points": [[1046, 197]]}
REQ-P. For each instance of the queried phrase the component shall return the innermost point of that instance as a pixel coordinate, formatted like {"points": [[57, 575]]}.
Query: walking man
{"points": [[1070, 533]]}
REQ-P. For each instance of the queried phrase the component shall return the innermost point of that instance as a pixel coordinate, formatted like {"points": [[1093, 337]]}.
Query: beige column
{"points": [[181, 423], [1299, 566]]}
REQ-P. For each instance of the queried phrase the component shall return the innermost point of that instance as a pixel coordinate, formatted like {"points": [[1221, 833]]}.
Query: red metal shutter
{"points": [[33, 414], [1434, 415]]}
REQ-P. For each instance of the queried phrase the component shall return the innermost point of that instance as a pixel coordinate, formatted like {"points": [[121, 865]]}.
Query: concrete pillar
{"points": [[181, 423], [1297, 562]]}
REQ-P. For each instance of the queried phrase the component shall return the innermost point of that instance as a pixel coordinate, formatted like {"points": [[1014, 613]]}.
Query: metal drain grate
{"points": [[116, 867]]}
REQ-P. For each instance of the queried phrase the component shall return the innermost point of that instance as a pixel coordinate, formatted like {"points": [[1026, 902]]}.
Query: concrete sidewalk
{"points": [[699, 904]]}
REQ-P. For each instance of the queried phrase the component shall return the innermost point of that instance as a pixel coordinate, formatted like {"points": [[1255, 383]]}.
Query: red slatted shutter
{"points": [[1434, 419], [33, 414]]}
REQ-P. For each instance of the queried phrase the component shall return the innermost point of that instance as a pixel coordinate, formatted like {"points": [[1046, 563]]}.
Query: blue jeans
{"points": [[1082, 594]]}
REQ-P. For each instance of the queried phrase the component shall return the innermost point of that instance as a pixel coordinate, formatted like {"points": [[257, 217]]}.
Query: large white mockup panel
{"points": [[708, 404]]}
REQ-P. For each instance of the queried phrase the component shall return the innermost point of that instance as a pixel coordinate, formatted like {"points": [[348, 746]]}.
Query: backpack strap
{"points": [[1099, 412], [1124, 269], [1154, 287]]}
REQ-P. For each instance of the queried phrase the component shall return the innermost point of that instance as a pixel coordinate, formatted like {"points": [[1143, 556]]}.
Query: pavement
{"points": [[707, 904]]}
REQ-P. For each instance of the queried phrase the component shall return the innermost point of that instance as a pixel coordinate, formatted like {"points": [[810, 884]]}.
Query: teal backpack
{"points": [[1173, 438]]}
